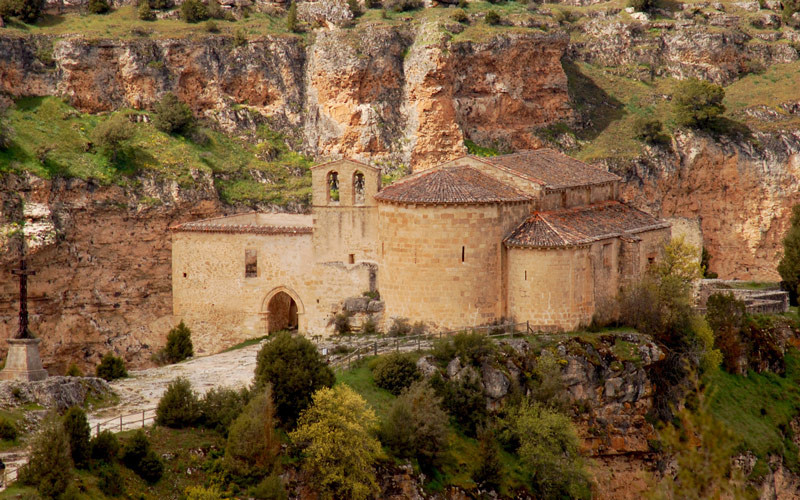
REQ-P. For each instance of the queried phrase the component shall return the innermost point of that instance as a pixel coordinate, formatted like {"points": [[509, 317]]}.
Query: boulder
{"points": [[495, 383], [453, 368], [356, 304], [426, 366], [767, 20], [58, 393]]}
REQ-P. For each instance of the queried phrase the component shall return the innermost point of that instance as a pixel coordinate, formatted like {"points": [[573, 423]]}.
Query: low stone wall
{"points": [[768, 301]]}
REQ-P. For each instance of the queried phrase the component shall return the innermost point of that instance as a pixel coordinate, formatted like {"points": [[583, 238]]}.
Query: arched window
{"points": [[333, 187], [358, 188]]}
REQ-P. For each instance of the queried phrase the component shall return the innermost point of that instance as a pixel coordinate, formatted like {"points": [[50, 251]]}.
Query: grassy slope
{"points": [[51, 139]]}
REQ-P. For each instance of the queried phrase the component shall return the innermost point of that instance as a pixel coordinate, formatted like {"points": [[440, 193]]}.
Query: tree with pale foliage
{"points": [[336, 435]]}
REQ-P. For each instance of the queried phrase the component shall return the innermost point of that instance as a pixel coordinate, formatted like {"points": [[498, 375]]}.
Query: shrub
{"points": [[113, 134], [104, 446], [488, 471], [547, 383], [341, 323], [219, 407], [239, 38], [111, 367], [99, 6], [8, 431], [402, 5], [400, 327], [473, 347], [253, 445], [145, 12], [270, 488], [25, 10], [179, 344], [355, 7], [698, 103], [211, 27], [179, 406], [137, 456], [193, 11], [77, 428], [789, 265], [296, 370], [339, 450], [172, 116], [5, 130], [790, 7], [291, 18], [394, 372], [370, 4], [74, 371], [109, 481], [417, 427], [464, 401], [49, 468], [214, 10], [492, 18], [650, 131], [546, 443], [369, 327], [202, 493], [460, 15], [642, 5]]}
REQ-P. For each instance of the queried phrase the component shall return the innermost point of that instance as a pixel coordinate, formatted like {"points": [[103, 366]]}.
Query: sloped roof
{"points": [[451, 185], [550, 168], [343, 160], [581, 225], [259, 223]]}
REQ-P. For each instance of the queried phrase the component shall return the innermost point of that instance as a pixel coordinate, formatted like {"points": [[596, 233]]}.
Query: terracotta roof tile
{"points": [[254, 223], [551, 168], [581, 225], [451, 185]]}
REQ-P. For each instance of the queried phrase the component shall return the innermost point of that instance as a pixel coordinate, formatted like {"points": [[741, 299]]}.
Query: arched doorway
{"points": [[282, 309]]}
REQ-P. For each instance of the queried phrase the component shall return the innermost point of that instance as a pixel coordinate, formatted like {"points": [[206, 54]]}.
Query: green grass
{"points": [[246, 343], [755, 285], [52, 139], [758, 408], [360, 379]]}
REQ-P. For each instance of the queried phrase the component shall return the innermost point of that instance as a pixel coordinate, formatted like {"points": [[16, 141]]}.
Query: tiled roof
{"points": [[552, 169], [450, 185], [254, 223], [581, 225]]}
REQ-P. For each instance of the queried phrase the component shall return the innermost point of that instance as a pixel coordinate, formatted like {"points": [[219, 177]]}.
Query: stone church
{"points": [[533, 236]]}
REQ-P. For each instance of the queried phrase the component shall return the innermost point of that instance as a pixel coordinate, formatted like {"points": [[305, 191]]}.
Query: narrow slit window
{"points": [[462, 254], [250, 263], [526, 275], [351, 258], [333, 187]]}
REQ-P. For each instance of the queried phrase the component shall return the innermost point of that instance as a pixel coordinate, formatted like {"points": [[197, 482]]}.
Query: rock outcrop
{"points": [[56, 393]]}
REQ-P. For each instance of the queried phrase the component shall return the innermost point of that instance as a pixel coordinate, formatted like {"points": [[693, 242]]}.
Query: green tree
{"points": [[179, 406], [548, 446], [394, 372], [253, 445], [141, 459], [172, 116], [193, 11], [145, 11], [112, 134], [642, 5], [698, 103], [49, 467], [104, 446], [492, 18], [98, 6], [111, 367], [789, 265], [338, 446], [650, 131], [417, 427], [294, 367], [179, 344], [219, 407], [78, 432], [291, 18], [25, 10], [488, 471]]}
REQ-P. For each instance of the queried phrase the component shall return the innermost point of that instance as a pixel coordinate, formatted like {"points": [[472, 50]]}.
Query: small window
{"points": [[651, 259], [333, 187], [351, 258], [462, 254], [184, 275], [358, 188], [526, 275], [250, 263]]}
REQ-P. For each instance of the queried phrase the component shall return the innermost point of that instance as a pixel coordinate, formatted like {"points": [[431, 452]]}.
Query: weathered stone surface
{"points": [[58, 393], [325, 13], [356, 304], [23, 362], [426, 366], [495, 383], [453, 367]]}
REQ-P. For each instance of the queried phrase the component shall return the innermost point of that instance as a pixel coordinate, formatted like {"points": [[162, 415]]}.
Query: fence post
{"points": [[120, 423], [143, 419], [417, 344], [375, 348], [397, 345], [97, 429]]}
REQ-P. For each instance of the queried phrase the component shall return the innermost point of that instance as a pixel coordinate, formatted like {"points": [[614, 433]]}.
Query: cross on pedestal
{"points": [[23, 272]]}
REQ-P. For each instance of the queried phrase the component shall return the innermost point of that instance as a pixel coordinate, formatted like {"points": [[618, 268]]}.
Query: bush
{"points": [[460, 15], [8, 431], [99, 6], [253, 445], [341, 323], [25, 10], [202, 493], [546, 383], [109, 481], [546, 443], [220, 407], [179, 406], [112, 134], [239, 38], [214, 10], [211, 27], [464, 401], [394, 372], [355, 7], [179, 344], [74, 371], [5, 130], [296, 370], [137, 456], [488, 473], [642, 5], [650, 131], [49, 468], [145, 12], [417, 427], [698, 103], [339, 450], [369, 327], [172, 116], [104, 446], [400, 327], [193, 11], [78, 432], [492, 18], [291, 18], [402, 5], [111, 367], [790, 7], [270, 488]]}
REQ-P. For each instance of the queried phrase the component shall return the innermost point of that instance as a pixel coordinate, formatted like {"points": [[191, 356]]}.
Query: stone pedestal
{"points": [[23, 362]]}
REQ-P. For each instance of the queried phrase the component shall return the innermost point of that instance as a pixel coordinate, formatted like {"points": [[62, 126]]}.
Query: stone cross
{"points": [[23, 272]]}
